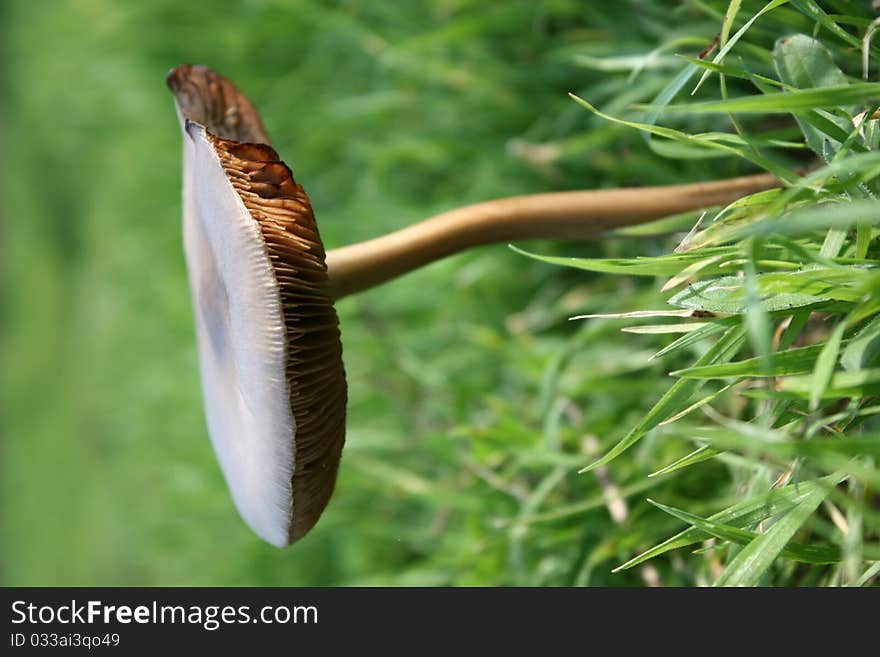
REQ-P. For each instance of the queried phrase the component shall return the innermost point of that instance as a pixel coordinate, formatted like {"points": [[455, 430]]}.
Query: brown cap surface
{"points": [[207, 98]]}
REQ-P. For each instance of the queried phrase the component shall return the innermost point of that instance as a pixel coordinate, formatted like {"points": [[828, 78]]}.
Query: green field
{"points": [[473, 400]]}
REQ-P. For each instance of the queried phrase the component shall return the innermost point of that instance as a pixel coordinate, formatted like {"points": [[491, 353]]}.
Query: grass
{"points": [[487, 432]]}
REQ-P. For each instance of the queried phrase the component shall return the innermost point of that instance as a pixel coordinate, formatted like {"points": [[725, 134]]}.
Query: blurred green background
{"points": [[472, 399]]}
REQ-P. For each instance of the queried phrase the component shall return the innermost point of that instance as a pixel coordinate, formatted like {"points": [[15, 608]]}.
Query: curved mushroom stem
{"points": [[564, 215]]}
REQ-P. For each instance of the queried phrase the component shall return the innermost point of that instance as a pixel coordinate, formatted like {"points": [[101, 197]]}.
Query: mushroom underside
{"points": [[270, 354]]}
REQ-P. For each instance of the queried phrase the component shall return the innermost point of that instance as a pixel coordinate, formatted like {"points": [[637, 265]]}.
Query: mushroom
{"points": [[263, 288]]}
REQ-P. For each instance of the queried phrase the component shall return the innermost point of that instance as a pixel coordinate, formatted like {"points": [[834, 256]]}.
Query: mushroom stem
{"points": [[563, 215]]}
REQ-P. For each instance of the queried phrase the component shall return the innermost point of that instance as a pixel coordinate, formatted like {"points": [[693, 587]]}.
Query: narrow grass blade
{"points": [[869, 574], [699, 455], [792, 550], [748, 567], [660, 329], [825, 364], [790, 102], [816, 217], [637, 314], [863, 240], [742, 514], [863, 349], [770, 6], [704, 141], [814, 11], [859, 383], [658, 266], [690, 339], [728, 70], [698, 404], [678, 395], [781, 363]]}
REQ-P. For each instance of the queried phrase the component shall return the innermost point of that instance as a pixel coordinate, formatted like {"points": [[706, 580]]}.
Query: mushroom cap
{"points": [[270, 355], [206, 97]]}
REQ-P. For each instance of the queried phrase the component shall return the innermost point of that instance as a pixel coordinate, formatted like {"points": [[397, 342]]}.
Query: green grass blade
{"points": [[869, 574], [658, 266], [702, 141], [770, 6], [859, 93], [816, 217], [692, 338], [678, 395], [859, 383], [667, 94], [863, 349], [814, 11], [782, 363], [730, 71], [803, 62], [742, 514], [863, 241], [748, 567], [727, 296], [825, 364], [794, 551], [699, 455]]}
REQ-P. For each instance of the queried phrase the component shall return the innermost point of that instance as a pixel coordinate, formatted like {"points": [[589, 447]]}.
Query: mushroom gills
{"points": [[270, 355]]}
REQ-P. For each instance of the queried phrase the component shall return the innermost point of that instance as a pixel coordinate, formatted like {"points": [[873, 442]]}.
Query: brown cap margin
{"points": [[208, 98]]}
